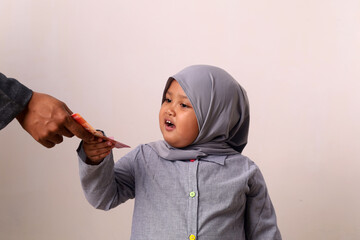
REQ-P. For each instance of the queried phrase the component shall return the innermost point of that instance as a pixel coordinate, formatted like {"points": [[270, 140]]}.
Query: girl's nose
{"points": [[170, 112]]}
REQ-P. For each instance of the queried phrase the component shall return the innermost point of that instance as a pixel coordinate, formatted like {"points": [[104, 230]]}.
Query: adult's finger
{"points": [[68, 109], [65, 132], [55, 139], [46, 143], [79, 131], [76, 129]]}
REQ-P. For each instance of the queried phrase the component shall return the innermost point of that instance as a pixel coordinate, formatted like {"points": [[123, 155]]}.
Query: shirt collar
{"points": [[214, 158]]}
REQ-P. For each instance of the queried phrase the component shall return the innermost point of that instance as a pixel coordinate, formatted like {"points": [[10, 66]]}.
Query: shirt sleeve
{"points": [[13, 99], [260, 217], [104, 186]]}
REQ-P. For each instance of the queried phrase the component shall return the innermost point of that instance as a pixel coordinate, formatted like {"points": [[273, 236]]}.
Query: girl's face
{"points": [[177, 118]]}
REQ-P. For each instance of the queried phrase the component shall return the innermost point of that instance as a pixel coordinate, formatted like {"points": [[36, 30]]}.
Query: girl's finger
{"points": [[100, 145], [98, 151], [92, 140], [99, 156]]}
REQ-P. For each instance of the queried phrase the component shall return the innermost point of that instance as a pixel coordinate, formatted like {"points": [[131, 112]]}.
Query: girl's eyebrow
{"points": [[181, 96]]}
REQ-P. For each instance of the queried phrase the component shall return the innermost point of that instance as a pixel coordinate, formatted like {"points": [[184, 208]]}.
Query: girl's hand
{"points": [[96, 150]]}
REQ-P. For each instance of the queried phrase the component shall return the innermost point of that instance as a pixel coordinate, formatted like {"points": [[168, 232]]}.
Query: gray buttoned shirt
{"points": [[212, 198]]}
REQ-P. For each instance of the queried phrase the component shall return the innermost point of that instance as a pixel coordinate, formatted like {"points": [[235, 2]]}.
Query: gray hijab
{"points": [[222, 111]]}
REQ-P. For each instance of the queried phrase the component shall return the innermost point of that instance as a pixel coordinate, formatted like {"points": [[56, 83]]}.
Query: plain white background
{"points": [[108, 60]]}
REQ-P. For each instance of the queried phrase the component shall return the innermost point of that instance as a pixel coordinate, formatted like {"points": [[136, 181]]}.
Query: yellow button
{"points": [[192, 237], [192, 194]]}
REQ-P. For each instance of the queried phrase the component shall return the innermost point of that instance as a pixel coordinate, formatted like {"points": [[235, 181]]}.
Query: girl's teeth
{"points": [[169, 123]]}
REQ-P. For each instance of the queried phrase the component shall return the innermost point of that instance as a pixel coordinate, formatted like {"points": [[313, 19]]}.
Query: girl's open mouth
{"points": [[169, 125]]}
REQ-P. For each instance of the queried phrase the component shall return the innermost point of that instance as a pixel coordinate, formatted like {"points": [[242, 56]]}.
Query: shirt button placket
{"points": [[193, 200]]}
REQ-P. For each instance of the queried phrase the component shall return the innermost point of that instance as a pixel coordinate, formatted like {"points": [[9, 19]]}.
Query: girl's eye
{"points": [[184, 105], [167, 100]]}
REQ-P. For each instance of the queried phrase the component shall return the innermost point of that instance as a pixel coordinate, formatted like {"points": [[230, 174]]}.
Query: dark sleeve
{"points": [[260, 218], [13, 99]]}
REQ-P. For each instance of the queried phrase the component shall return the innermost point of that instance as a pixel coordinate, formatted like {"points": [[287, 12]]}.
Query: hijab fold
{"points": [[222, 111]]}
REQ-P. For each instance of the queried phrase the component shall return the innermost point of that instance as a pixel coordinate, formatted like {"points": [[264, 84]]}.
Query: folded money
{"points": [[78, 118]]}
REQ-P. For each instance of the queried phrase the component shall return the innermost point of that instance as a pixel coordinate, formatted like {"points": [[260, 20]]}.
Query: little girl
{"points": [[195, 184]]}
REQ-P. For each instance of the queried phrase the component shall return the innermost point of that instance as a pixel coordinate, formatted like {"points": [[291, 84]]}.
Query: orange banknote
{"points": [[78, 118]]}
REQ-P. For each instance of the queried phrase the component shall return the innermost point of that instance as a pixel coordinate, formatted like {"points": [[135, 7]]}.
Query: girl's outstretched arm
{"points": [[103, 188]]}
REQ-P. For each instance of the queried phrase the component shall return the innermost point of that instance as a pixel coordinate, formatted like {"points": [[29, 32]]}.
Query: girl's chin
{"points": [[176, 145]]}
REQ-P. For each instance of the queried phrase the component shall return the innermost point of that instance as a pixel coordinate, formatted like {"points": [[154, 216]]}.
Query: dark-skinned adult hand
{"points": [[48, 119]]}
